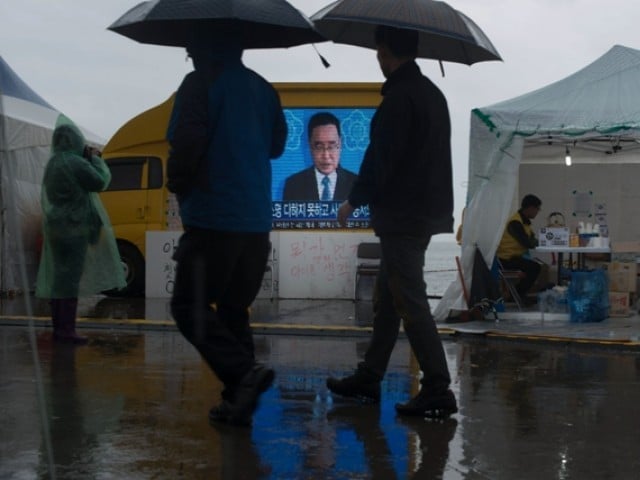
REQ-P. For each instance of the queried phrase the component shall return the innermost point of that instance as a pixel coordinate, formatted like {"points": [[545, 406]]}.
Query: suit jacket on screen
{"points": [[303, 185]]}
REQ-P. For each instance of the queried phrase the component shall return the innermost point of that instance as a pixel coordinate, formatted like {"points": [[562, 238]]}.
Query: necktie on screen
{"points": [[326, 191]]}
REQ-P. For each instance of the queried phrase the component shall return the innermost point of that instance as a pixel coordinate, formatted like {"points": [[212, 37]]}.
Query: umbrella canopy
{"points": [[261, 23], [445, 34]]}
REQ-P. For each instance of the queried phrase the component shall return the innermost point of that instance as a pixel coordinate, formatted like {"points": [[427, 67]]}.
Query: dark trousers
{"points": [[218, 277], [63, 316], [401, 294], [530, 268], [69, 253]]}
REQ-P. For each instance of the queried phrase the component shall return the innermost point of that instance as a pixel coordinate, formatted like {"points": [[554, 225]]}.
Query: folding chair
{"points": [[367, 263], [510, 278]]}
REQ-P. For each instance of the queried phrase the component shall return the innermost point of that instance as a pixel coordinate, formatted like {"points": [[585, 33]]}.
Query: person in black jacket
{"points": [[406, 179], [326, 179]]}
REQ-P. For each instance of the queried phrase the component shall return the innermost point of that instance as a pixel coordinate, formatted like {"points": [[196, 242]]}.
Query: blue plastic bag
{"points": [[588, 296]]}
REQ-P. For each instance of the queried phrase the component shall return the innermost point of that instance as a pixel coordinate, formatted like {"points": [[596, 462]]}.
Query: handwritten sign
{"points": [[318, 264], [304, 264], [160, 267]]}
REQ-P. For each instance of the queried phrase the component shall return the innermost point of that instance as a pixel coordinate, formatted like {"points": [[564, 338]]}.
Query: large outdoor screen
{"points": [[322, 142]]}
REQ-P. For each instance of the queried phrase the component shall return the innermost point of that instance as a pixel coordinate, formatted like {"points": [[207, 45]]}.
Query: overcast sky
{"points": [[100, 79]]}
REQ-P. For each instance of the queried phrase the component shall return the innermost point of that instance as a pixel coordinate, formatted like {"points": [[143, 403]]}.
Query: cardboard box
{"points": [[625, 251], [553, 237], [619, 304], [622, 276], [625, 257], [626, 247]]}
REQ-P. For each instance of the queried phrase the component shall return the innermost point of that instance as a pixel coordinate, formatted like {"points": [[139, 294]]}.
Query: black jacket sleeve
{"points": [[188, 140]]}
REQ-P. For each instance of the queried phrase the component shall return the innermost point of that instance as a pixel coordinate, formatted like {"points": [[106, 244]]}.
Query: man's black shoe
{"points": [[357, 386], [429, 405], [247, 392]]}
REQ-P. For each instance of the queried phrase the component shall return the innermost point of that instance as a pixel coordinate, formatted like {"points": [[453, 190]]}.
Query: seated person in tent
{"points": [[517, 239]]}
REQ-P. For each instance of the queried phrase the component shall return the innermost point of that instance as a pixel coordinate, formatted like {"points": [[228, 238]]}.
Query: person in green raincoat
{"points": [[79, 256]]}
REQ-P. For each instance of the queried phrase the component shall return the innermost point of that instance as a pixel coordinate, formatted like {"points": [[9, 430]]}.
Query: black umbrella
{"points": [[445, 34], [261, 23]]}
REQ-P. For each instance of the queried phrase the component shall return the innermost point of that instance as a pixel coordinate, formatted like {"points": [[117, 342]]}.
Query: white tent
{"points": [[520, 144], [26, 126]]}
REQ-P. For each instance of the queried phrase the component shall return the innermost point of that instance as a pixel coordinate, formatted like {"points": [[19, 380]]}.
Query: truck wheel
{"points": [[134, 272]]}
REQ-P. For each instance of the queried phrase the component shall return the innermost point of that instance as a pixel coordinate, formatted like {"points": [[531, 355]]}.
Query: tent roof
{"points": [[601, 97], [12, 85], [20, 102]]}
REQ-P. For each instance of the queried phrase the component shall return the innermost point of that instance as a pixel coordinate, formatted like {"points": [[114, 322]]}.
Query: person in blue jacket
{"points": [[226, 125]]}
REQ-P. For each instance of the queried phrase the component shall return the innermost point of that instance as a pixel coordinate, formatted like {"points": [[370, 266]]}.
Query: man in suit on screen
{"points": [[325, 180]]}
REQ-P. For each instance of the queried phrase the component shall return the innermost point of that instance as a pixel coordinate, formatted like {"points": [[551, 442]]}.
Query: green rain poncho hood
{"points": [[79, 255]]}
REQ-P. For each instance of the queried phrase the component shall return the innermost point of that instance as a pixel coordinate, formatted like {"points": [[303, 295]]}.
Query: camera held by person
{"points": [[89, 151]]}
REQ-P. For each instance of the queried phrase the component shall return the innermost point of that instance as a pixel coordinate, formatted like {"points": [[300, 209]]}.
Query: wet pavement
{"points": [[539, 398]]}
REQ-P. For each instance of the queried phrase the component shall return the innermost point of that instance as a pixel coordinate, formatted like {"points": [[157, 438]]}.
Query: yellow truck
{"points": [[137, 199]]}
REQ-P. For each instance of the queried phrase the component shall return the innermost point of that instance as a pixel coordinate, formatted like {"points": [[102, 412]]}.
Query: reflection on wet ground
{"points": [[134, 405]]}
